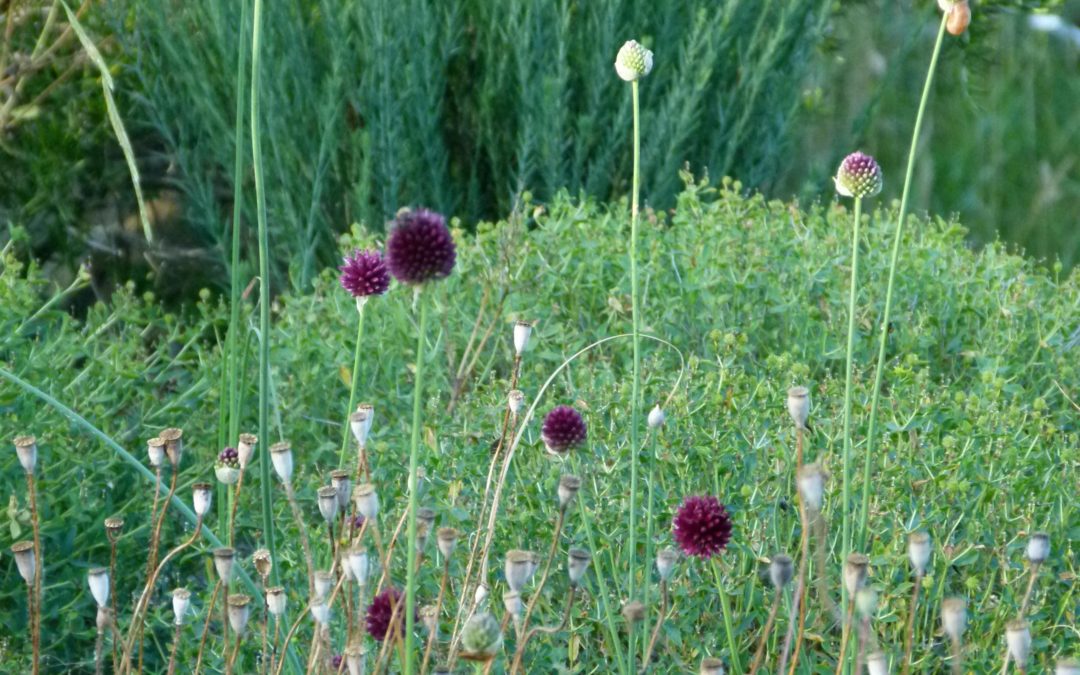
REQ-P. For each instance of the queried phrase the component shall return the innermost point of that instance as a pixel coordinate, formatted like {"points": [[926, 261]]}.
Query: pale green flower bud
{"points": [[633, 61]]}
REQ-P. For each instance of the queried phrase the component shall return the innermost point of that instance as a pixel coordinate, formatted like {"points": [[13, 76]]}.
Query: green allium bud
{"points": [[859, 176], [482, 635], [633, 61]]}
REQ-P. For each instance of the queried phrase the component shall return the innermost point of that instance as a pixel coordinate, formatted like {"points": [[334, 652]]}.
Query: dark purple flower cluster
{"points": [[229, 457], [364, 273], [563, 429], [336, 661], [420, 247], [357, 522], [380, 611], [702, 526]]}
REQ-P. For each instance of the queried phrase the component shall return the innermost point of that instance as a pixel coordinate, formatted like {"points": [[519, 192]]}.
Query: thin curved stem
{"points": [[414, 466], [849, 376], [206, 626], [547, 568], [519, 655], [656, 629], [759, 655], [235, 503], [305, 543], [840, 660], [733, 646], [909, 632], [354, 381], [288, 638]]}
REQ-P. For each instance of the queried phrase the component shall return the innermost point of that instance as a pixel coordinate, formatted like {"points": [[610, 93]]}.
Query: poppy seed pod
{"points": [[328, 502], [360, 423], [482, 635], [446, 537], [798, 406], [224, 558], [155, 450], [512, 603], [954, 617], [113, 527], [429, 616], [633, 612], [811, 480], [263, 563], [522, 331], [919, 550], [282, 459], [633, 61], [359, 565], [866, 599], [577, 564], [425, 520], [324, 583], [959, 18], [711, 666], [1038, 548], [98, 578], [855, 570], [245, 449], [356, 659], [780, 570], [174, 444], [568, 489], [665, 563], [859, 176], [877, 664], [518, 569], [239, 612], [26, 449], [1018, 639], [1067, 667], [656, 417], [320, 612], [181, 600], [515, 401], [343, 484], [367, 501], [24, 559], [480, 594], [201, 496], [275, 600]]}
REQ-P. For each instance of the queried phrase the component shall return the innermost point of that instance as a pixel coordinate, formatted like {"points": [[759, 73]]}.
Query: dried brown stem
{"points": [[39, 562], [206, 626], [656, 629], [845, 636], [548, 630], [759, 655], [438, 608], [1028, 592], [547, 567], [235, 504], [288, 638], [909, 631], [173, 649], [155, 536], [112, 596], [305, 543]]}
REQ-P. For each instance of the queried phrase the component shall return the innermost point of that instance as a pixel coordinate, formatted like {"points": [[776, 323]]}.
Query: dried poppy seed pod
{"points": [[98, 578], [113, 527], [568, 489], [356, 659], [866, 602], [328, 507], [954, 617], [482, 635], [811, 480], [224, 558], [711, 666], [798, 406], [263, 563], [577, 564], [343, 484], [946, 5], [181, 600], [522, 331], [174, 444], [855, 568], [1067, 667], [633, 612], [518, 569], [633, 61], [425, 520], [155, 450], [919, 550], [512, 603], [665, 563], [360, 423], [656, 417], [429, 616], [367, 501], [959, 18], [480, 594], [24, 559], [245, 449], [324, 583], [26, 449], [877, 664], [1018, 639], [515, 401], [201, 495], [446, 537], [1038, 548], [320, 612], [359, 565], [275, 600], [239, 612], [282, 458], [780, 570], [104, 619]]}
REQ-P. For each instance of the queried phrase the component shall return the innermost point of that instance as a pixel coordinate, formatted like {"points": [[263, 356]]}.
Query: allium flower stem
{"points": [[759, 655], [649, 527], [353, 384], [414, 465], [909, 633], [39, 562], [886, 313], [635, 403], [733, 646], [849, 375], [206, 625]]}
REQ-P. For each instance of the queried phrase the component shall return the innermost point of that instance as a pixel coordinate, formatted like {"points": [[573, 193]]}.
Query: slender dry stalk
{"points": [[263, 631], [152, 560], [173, 649], [656, 629], [155, 537], [860, 655], [909, 632], [231, 660], [846, 634], [759, 655], [206, 625], [438, 608], [393, 634], [235, 504], [519, 655], [1030, 588], [957, 657], [305, 543], [273, 645], [112, 596], [288, 638], [547, 567], [99, 647], [39, 562]]}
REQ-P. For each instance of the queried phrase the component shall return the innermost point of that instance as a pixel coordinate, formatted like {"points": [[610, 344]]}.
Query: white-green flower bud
{"points": [[633, 61]]}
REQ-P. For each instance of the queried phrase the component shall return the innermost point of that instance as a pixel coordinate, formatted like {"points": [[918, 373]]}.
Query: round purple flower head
{"points": [[381, 609], [364, 273], [702, 527], [335, 662], [420, 247], [357, 522], [859, 176], [228, 457], [563, 429]]}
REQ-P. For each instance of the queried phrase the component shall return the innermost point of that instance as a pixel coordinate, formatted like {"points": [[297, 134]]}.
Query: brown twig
{"points": [[235, 504], [438, 607], [547, 567], [39, 562], [305, 543], [656, 629], [175, 644], [909, 632], [112, 596], [155, 537], [845, 636], [206, 626], [288, 638], [760, 653], [1030, 588], [548, 630]]}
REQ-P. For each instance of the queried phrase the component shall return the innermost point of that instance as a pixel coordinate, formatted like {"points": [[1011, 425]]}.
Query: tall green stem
{"points": [[849, 373], [264, 290], [649, 556], [635, 404], [733, 646], [235, 282], [897, 238], [353, 381], [414, 452]]}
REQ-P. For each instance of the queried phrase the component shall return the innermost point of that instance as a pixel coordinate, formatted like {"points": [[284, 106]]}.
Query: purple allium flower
{"points": [[357, 522], [381, 610], [702, 527], [364, 273], [229, 457], [420, 247], [563, 429], [335, 662], [859, 176]]}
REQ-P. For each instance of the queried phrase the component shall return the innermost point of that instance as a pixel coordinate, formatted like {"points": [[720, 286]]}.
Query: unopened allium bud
{"points": [[263, 563], [275, 600], [26, 449], [24, 559], [359, 565], [711, 666], [282, 459], [512, 603], [324, 583], [577, 564], [343, 484], [811, 480], [224, 558], [174, 444], [1038, 548], [367, 501], [320, 611], [181, 600], [201, 495], [1067, 667], [798, 406], [446, 537], [866, 602], [959, 18], [518, 569], [780, 570], [482, 635], [515, 401], [665, 563], [227, 466], [104, 619], [877, 664], [919, 550], [855, 569], [568, 489], [113, 527], [1018, 639], [859, 176], [245, 449], [633, 61], [155, 450], [360, 423], [656, 417], [522, 331], [98, 578], [239, 612], [356, 659], [429, 616], [633, 612], [954, 617], [328, 504]]}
